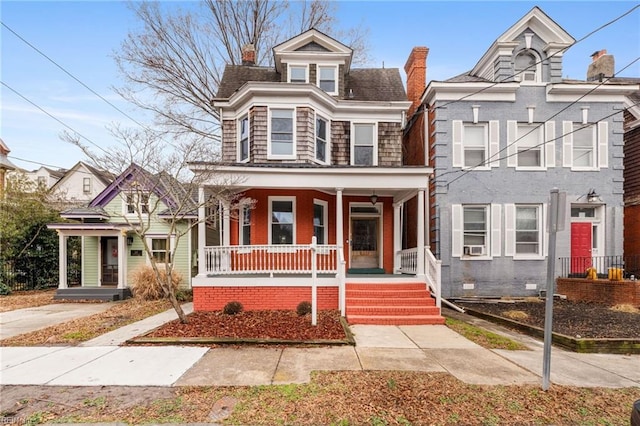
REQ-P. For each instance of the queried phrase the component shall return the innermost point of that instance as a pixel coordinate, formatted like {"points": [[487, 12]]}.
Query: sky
{"points": [[82, 36]]}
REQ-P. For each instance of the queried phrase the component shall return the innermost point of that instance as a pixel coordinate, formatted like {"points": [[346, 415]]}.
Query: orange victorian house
{"points": [[314, 148]]}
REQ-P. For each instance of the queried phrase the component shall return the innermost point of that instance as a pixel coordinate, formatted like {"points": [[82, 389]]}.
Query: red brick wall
{"points": [[600, 291], [262, 298]]}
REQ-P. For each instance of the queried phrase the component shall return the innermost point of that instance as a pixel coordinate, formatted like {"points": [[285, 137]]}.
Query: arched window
{"points": [[527, 67]]}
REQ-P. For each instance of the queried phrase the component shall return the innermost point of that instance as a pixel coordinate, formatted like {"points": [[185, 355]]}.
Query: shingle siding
{"points": [[258, 135], [340, 149], [229, 141], [389, 148]]}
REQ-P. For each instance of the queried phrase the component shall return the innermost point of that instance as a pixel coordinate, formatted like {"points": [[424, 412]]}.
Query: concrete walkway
{"points": [[410, 348], [26, 320]]}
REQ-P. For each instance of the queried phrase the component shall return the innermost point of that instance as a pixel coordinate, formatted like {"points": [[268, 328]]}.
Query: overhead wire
{"points": [[514, 142]]}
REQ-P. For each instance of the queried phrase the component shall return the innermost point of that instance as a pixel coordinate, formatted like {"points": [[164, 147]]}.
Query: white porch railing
{"points": [[269, 259], [409, 265], [432, 271]]}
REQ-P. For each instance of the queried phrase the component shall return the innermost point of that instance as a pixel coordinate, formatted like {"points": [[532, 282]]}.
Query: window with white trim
{"points": [[320, 208], [243, 139], [528, 230], [137, 202], [282, 220], [328, 78], [160, 250], [476, 230], [529, 146], [475, 145], [585, 146], [525, 230], [86, 185], [526, 67], [364, 150], [322, 138], [297, 73], [282, 135], [245, 226]]}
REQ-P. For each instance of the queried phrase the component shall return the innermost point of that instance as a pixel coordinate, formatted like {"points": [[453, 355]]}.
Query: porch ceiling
{"points": [[384, 181]]}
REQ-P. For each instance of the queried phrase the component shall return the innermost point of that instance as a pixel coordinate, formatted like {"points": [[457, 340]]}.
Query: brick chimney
{"points": [[602, 66], [416, 69], [248, 54]]}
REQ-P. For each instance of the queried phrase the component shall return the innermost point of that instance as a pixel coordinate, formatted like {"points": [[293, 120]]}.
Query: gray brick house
{"points": [[499, 138]]}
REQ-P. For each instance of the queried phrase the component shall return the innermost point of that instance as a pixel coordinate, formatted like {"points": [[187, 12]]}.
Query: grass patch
{"points": [[346, 398], [482, 337]]}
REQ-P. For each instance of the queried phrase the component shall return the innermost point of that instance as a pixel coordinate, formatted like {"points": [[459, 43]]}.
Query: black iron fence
{"points": [[28, 274], [578, 267]]}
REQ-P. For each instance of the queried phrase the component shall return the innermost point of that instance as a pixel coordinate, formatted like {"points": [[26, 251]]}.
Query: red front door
{"points": [[581, 245]]}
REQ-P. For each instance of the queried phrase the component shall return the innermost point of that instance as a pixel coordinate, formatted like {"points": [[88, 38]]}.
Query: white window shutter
{"points": [[509, 230], [567, 143], [456, 142], [545, 241], [603, 144], [550, 143], [494, 143], [496, 230], [512, 148], [456, 230]]}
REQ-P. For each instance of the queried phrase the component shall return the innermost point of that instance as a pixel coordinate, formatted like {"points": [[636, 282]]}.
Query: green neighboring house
{"points": [[135, 203]]}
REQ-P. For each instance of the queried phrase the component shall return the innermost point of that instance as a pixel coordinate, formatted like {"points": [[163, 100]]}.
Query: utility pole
{"points": [[555, 222]]}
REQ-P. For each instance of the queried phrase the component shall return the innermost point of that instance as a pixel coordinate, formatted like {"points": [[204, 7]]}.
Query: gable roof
{"points": [[167, 188], [539, 23], [103, 176], [4, 161], [311, 42], [364, 84]]}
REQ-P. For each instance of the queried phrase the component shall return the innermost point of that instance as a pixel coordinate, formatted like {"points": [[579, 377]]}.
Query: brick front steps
{"points": [[391, 304]]}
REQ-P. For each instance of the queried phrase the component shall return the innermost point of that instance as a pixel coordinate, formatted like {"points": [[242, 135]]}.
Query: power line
{"points": [[575, 102], [508, 78], [52, 116]]}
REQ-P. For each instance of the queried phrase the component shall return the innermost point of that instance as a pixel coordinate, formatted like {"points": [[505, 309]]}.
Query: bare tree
{"points": [[162, 188], [173, 65]]}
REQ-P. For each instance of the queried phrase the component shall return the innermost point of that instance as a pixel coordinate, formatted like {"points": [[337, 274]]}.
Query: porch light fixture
{"points": [[129, 241], [593, 197], [374, 199]]}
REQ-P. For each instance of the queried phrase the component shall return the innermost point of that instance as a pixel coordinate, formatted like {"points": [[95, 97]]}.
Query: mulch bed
{"points": [[277, 324], [583, 319]]}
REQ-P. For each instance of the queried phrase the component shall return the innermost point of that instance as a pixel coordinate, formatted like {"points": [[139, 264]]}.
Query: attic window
{"points": [[327, 79], [297, 74], [526, 67]]}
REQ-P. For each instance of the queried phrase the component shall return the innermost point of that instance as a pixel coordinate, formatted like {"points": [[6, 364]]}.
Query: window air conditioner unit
{"points": [[474, 250]]}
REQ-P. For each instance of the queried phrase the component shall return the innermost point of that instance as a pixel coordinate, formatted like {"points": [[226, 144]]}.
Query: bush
{"points": [[5, 290], [233, 308], [145, 285], [303, 308], [184, 295]]}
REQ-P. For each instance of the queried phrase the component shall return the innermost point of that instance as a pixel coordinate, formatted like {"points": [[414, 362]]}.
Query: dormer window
{"points": [[297, 73], [526, 67], [328, 78]]}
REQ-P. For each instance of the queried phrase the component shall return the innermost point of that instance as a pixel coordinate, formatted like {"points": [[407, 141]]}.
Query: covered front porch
{"points": [[322, 228], [103, 261]]}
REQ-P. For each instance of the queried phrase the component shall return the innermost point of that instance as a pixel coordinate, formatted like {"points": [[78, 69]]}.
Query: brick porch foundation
{"points": [[261, 298]]}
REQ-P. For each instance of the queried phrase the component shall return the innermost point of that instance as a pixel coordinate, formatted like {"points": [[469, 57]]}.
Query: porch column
{"points": [[397, 236], [122, 260], [226, 225], [62, 260], [339, 224], [420, 232], [202, 232]]}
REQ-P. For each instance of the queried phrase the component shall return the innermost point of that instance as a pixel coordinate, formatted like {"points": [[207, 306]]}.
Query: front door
{"points": [[581, 244], [110, 261], [364, 245]]}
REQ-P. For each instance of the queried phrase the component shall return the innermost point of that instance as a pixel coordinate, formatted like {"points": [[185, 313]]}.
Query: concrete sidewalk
{"points": [[410, 348]]}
